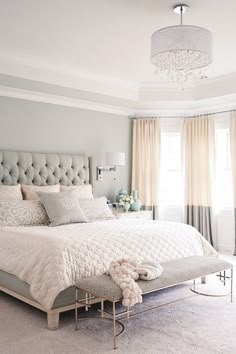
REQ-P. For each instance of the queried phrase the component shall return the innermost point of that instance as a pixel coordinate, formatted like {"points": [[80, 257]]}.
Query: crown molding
{"points": [[38, 71], [37, 96], [160, 108], [39, 82], [187, 108], [150, 92]]}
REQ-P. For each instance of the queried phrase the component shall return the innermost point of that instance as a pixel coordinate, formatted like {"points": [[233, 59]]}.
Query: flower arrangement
{"points": [[126, 199]]}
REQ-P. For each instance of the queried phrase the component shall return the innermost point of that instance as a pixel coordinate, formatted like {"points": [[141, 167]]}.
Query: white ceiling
{"points": [[107, 38]]}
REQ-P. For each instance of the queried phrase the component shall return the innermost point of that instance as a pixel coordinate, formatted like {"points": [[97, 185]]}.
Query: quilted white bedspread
{"points": [[51, 259]]}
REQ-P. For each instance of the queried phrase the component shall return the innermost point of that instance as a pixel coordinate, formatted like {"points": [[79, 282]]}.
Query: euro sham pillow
{"points": [[63, 208], [96, 209], [83, 190], [22, 213], [30, 192], [10, 192]]}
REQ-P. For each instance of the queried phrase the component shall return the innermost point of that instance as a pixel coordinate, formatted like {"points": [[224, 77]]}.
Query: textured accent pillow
{"points": [[22, 213], [30, 192], [10, 192], [62, 208], [83, 190], [96, 209]]}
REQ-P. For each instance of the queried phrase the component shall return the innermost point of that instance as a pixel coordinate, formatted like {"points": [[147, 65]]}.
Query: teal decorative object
{"points": [[121, 192], [136, 205]]}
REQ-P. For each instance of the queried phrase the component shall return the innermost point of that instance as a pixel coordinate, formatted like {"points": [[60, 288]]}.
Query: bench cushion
{"points": [[175, 272]]}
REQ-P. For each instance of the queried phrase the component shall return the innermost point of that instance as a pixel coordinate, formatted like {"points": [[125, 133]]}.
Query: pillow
{"points": [[96, 209], [10, 192], [30, 191], [84, 190], [22, 212], [62, 208]]}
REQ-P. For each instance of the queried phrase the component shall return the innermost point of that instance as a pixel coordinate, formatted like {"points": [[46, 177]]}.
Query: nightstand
{"points": [[141, 214]]}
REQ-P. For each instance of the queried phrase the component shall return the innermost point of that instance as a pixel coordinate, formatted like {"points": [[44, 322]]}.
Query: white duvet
{"points": [[51, 259]]}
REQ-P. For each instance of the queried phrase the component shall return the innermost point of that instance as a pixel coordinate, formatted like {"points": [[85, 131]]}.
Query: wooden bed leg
{"points": [[203, 280], [53, 320]]}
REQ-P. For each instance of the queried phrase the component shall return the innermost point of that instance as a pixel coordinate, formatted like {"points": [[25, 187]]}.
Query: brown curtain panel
{"points": [[146, 161], [197, 140], [232, 134]]}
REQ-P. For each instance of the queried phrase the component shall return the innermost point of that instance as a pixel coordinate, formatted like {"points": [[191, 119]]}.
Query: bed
{"points": [[40, 265]]}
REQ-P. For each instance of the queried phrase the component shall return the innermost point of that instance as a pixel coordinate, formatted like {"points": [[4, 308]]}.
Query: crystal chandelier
{"points": [[181, 53]]}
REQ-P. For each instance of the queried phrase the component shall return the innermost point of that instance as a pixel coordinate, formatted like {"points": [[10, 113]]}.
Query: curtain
{"points": [[232, 134], [146, 161], [198, 141]]}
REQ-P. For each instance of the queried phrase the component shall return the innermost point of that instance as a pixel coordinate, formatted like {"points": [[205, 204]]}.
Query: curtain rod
{"points": [[184, 116]]}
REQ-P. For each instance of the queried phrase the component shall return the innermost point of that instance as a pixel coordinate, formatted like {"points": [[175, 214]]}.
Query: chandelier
{"points": [[181, 53]]}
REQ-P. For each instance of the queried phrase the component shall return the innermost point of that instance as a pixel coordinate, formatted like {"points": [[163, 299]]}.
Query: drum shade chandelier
{"points": [[183, 52]]}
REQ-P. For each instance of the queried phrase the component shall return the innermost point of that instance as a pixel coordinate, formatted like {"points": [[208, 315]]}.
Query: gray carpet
{"points": [[196, 325]]}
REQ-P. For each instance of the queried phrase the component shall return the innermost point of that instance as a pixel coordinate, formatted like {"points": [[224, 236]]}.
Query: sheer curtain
{"points": [[198, 140], [232, 134], [146, 161]]}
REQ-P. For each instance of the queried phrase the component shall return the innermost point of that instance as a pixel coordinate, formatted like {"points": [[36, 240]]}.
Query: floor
{"points": [[196, 325]]}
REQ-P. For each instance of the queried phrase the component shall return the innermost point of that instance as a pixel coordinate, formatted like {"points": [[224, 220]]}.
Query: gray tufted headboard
{"points": [[44, 169]]}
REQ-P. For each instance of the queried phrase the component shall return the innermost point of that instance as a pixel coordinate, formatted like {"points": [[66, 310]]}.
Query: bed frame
{"points": [[43, 169]]}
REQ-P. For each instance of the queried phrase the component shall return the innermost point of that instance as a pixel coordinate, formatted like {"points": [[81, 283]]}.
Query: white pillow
{"points": [[96, 209], [10, 192], [84, 190], [30, 191], [22, 212]]}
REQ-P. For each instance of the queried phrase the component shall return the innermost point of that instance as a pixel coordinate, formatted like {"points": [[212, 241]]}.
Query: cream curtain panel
{"points": [[198, 140], [232, 132], [146, 161]]}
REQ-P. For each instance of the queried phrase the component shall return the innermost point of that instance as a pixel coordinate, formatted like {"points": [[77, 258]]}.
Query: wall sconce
{"points": [[112, 159]]}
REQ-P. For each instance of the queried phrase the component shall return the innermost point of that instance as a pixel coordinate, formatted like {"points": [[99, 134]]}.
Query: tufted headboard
{"points": [[44, 169]]}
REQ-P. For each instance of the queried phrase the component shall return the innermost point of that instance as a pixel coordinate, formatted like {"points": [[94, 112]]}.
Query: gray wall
{"points": [[41, 127]]}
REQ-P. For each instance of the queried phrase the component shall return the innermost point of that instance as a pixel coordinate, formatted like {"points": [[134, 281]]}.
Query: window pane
{"points": [[222, 191], [170, 171]]}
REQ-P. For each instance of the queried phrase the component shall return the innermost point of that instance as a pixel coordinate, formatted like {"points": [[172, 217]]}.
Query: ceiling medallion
{"points": [[181, 53]]}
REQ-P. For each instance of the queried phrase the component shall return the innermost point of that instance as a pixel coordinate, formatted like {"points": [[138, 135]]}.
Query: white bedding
{"points": [[51, 259]]}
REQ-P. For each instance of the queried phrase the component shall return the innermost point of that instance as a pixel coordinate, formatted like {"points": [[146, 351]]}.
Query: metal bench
{"points": [[175, 272]]}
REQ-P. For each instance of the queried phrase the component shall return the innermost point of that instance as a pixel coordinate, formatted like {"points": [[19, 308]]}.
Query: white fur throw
{"points": [[124, 272]]}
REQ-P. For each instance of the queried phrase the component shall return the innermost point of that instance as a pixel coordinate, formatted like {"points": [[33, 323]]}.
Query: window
{"points": [[222, 192], [170, 170]]}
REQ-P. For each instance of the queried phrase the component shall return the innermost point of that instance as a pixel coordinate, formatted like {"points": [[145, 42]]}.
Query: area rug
{"points": [[195, 325]]}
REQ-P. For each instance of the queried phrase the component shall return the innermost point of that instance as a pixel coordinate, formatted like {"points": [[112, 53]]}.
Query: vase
{"points": [[136, 205], [126, 206], [121, 192]]}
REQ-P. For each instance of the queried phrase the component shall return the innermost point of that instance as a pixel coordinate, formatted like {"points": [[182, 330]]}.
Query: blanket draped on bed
{"points": [[124, 272], [51, 259]]}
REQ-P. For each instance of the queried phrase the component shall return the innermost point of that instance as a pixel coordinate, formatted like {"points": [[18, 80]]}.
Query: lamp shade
{"points": [[115, 158]]}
